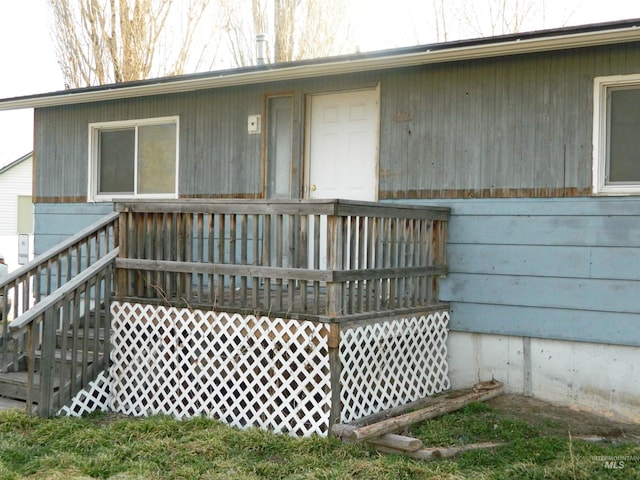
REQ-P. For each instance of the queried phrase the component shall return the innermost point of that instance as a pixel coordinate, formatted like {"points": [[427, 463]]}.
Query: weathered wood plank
{"points": [[225, 269], [221, 256], [328, 207], [559, 230], [398, 443], [436, 453], [199, 253], [210, 252], [244, 260], [335, 372], [569, 261], [574, 325], [551, 293], [446, 406]]}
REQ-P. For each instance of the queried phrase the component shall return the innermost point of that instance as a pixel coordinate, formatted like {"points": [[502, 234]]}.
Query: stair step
{"points": [[12, 404], [83, 337], [90, 333], [69, 356], [13, 385]]}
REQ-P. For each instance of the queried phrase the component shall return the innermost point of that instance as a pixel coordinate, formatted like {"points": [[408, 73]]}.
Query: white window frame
{"points": [[602, 86], [94, 144]]}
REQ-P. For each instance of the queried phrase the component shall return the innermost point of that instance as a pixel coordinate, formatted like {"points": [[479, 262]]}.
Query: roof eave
{"points": [[15, 163], [324, 68]]}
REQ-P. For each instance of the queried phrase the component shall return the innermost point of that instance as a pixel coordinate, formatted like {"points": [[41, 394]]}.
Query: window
{"points": [[616, 153], [25, 215], [135, 158], [279, 147]]}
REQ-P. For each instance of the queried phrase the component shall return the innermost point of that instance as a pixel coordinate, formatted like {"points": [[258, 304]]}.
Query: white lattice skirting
{"points": [[257, 371], [245, 371], [392, 363], [95, 397]]}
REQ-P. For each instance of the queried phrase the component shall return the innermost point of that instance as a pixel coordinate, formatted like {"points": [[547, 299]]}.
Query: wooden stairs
{"points": [[57, 340], [89, 333]]}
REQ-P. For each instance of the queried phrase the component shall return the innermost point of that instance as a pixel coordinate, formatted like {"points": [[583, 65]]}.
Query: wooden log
{"points": [[487, 391], [411, 406], [400, 443], [435, 453], [342, 430]]}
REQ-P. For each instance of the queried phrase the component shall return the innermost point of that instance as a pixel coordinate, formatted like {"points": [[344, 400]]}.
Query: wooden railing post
{"points": [[335, 371], [121, 274], [47, 363], [334, 263]]}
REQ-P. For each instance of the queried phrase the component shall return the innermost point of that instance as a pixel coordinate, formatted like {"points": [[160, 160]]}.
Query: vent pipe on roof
{"points": [[261, 44]]}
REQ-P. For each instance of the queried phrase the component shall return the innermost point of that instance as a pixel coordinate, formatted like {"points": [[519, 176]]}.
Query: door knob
{"points": [[313, 188]]}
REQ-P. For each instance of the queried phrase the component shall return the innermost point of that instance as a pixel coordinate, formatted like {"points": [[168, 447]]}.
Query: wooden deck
{"points": [[327, 260], [330, 261]]}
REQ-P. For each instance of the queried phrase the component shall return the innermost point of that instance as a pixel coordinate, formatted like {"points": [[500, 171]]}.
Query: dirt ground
{"points": [[558, 420]]}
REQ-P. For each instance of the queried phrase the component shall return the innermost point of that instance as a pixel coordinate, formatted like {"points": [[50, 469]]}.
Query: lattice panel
{"points": [[243, 370], [391, 363], [94, 397]]}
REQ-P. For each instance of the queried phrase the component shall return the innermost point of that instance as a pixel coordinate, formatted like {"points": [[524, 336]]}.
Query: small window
{"points": [[25, 215], [136, 158], [279, 147], [616, 165]]}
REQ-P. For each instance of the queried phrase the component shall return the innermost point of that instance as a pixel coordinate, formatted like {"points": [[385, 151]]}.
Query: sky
{"points": [[28, 63]]}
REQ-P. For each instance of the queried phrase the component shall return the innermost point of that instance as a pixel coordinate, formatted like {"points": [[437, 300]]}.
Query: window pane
{"points": [[115, 165], [25, 214], [624, 139], [157, 158], [279, 154]]}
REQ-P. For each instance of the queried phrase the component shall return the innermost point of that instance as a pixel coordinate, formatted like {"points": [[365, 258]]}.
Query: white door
{"points": [[343, 145], [342, 154]]}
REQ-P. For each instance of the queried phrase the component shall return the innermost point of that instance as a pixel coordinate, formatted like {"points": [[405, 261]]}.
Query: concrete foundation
{"points": [[599, 378]]}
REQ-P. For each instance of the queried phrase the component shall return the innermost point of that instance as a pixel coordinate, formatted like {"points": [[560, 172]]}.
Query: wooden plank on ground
{"points": [[400, 443], [436, 453]]}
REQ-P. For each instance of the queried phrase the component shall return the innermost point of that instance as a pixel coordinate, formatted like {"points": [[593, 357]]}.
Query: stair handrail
{"points": [[25, 287], [23, 321], [24, 284], [61, 311], [60, 247]]}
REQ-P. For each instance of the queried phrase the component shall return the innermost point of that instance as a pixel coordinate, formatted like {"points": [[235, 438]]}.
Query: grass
{"points": [[99, 446]]}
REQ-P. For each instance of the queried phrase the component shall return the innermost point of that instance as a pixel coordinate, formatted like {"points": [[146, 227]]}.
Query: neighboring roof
{"points": [[15, 163], [538, 41]]}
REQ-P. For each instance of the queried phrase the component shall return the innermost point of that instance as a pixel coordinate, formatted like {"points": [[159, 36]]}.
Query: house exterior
{"points": [[16, 211], [529, 139]]}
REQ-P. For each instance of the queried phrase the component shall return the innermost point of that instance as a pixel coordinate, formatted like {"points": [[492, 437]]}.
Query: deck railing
{"points": [[328, 260]]}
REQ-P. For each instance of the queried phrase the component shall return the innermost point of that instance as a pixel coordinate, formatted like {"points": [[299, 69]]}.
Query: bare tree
{"points": [[295, 29], [446, 20], [105, 41], [497, 17]]}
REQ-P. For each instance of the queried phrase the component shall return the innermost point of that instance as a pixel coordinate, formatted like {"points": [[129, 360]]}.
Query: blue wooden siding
{"points": [[550, 268], [55, 222]]}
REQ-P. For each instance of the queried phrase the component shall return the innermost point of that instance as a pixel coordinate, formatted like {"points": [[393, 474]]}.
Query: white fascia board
{"points": [[340, 66]]}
